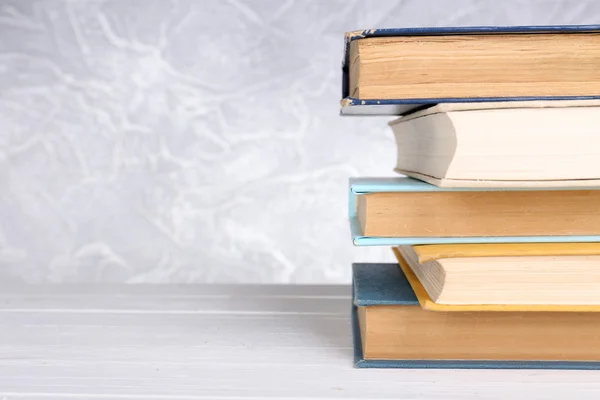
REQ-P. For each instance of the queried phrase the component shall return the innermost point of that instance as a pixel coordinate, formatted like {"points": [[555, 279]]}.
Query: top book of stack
{"points": [[397, 71]]}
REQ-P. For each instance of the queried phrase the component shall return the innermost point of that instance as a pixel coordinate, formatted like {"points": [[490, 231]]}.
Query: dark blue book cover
{"points": [[353, 106]]}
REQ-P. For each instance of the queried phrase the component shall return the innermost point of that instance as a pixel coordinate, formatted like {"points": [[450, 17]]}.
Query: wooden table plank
{"points": [[220, 342]]}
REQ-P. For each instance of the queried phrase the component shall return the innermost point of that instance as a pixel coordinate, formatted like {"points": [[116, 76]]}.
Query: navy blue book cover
{"points": [[352, 106], [385, 284]]}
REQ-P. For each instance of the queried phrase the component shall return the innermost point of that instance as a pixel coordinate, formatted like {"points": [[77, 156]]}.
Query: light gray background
{"points": [[195, 141]]}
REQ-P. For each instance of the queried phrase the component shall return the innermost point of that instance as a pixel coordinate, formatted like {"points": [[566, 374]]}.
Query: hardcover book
{"points": [[395, 71], [534, 286], [406, 211], [391, 330]]}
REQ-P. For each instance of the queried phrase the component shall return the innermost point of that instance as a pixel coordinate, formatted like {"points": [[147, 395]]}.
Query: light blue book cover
{"points": [[360, 186], [353, 106], [385, 284]]}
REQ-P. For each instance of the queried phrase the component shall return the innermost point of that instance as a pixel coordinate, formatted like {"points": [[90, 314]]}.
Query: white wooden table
{"points": [[220, 342]]}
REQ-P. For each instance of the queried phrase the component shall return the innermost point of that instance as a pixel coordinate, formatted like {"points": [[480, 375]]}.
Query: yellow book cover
{"points": [[431, 252]]}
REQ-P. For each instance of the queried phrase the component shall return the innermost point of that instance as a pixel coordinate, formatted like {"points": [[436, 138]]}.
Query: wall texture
{"points": [[195, 141]]}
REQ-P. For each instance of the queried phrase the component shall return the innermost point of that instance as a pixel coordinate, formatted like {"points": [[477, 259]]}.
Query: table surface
{"points": [[220, 342]]}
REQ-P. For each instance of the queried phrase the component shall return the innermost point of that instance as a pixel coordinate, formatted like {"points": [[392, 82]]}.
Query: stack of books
{"points": [[496, 222]]}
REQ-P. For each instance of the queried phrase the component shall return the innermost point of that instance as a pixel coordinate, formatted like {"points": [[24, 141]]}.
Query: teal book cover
{"points": [[360, 186], [384, 284], [355, 106]]}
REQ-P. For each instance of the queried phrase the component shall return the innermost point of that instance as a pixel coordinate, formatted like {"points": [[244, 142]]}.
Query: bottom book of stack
{"points": [[392, 330]]}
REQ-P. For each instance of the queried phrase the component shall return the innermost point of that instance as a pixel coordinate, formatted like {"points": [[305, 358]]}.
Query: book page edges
{"points": [[428, 304]]}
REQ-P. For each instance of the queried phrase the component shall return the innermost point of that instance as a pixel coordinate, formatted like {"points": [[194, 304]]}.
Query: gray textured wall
{"points": [[182, 141]]}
